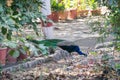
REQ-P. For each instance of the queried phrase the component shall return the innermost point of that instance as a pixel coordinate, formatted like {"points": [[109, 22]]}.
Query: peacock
{"points": [[63, 44]]}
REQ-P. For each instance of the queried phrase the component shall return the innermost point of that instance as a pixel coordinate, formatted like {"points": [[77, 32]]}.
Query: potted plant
{"points": [[12, 54], [16, 50], [57, 9], [81, 9], [9, 58], [21, 48], [96, 12], [62, 13], [14, 15], [22, 53], [83, 13], [72, 9], [54, 8], [4, 48], [13, 51], [72, 14], [93, 5]]}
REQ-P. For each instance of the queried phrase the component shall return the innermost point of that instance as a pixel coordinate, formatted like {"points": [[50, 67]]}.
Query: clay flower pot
{"points": [[55, 16], [96, 12], [22, 57], [62, 15], [72, 14], [10, 59], [83, 13], [3, 52]]}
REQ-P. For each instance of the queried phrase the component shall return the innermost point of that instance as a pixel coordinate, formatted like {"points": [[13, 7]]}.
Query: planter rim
{"points": [[3, 48]]}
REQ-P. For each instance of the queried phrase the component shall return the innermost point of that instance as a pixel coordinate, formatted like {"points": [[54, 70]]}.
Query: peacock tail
{"points": [[65, 45], [48, 42]]}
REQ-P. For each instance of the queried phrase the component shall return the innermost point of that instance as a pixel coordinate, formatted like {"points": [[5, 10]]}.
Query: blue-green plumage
{"points": [[73, 48], [65, 45]]}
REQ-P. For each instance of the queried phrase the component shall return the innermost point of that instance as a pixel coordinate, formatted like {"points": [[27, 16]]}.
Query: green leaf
{"points": [[22, 51], [14, 53], [35, 28], [44, 52], [4, 30], [8, 36], [36, 53], [10, 21], [11, 44], [42, 46], [1, 8], [117, 66]]}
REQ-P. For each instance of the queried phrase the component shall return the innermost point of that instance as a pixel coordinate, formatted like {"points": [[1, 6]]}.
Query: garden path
{"points": [[78, 31]]}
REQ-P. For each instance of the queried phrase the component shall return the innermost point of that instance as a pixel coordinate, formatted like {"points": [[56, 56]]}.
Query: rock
{"points": [[103, 45], [60, 54]]}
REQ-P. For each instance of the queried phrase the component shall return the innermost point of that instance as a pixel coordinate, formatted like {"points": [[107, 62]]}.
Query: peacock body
{"points": [[63, 44]]}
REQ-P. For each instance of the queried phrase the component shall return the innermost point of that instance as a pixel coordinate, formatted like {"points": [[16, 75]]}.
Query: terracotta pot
{"points": [[48, 24], [22, 57], [96, 12], [83, 13], [72, 14], [62, 15], [55, 16], [9, 58], [3, 52]]}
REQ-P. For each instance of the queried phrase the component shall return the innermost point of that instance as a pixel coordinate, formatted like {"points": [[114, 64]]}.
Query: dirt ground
{"points": [[76, 67]]}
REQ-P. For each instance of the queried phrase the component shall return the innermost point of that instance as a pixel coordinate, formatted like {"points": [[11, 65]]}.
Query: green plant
{"points": [[56, 6], [66, 3], [113, 19], [15, 14], [73, 3], [109, 25], [36, 49], [81, 5], [92, 4], [112, 25], [15, 47], [70, 3], [12, 45]]}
